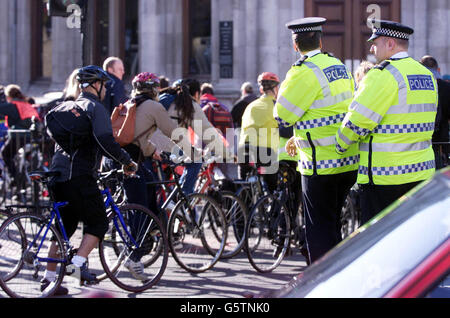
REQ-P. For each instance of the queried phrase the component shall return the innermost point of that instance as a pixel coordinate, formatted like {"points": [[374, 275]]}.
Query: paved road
{"points": [[228, 279]]}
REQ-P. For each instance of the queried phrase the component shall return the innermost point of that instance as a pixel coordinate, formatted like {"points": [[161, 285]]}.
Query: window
{"points": [[197, 28], [131, 59], [41, 43]]}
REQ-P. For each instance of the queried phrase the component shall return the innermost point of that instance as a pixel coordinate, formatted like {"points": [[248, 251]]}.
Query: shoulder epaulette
{"points": [[301, 61], [329, 54], [382, 65]]}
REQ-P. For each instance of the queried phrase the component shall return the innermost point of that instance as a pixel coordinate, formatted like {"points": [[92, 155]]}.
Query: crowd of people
{"points": [[335, 128]]}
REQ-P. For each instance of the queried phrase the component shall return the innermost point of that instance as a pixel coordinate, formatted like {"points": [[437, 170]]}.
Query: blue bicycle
{"points": [[135, 234]]}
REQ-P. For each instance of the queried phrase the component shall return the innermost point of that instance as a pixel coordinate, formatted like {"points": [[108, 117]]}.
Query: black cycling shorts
{"points": [[85, 204]]}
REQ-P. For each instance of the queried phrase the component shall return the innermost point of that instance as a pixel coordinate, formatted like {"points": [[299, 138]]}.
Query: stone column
{"points": [[160, 37], [6, 29], [438, 37], [22, 40], [114, 27], [251, 49], [67, 52]]}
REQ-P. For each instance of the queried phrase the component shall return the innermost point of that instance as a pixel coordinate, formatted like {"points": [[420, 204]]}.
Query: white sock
{"points": [[50, 276], [78, 261]]}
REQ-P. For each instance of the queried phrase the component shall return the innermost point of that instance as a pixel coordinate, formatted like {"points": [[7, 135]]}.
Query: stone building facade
{"points": [[224, 42]]}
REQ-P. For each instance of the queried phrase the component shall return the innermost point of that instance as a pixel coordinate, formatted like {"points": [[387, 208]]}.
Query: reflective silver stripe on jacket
{"points": [[385, 147], [413, 108], [366, 112], [331, 100], [402, 88], [399, 170], [321, 78], [323, 142], [292, 108]]}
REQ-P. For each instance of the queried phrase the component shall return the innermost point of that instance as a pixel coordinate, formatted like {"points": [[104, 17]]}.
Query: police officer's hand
{"points": [[130, 169], [291, 148]]}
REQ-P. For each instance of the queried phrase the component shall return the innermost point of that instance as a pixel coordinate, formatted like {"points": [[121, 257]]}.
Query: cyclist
{"points": [[182, 102], [150, 116], [260, 133], [18, 114], [77, 182]]}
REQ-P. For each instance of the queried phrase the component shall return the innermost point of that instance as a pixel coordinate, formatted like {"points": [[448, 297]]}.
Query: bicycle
{"points": [[196, 226], [232, 205], [274, 224], [24, 240]]}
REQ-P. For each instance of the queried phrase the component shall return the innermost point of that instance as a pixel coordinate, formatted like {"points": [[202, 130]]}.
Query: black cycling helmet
{"points": [[88, 75], [91, 74]]}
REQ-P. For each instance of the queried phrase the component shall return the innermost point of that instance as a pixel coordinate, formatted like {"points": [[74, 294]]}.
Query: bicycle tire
{"points": [[26, 283], [349, 218], [267, 239], [5, 188], [245, 194], [193, 243], [236, 214], [148, 233]]}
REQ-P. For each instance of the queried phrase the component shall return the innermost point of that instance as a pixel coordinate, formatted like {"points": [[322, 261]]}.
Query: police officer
{"points": [[392, 118], [314, 98]]}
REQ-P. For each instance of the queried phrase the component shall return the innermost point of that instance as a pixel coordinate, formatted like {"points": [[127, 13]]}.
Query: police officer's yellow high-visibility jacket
{"points": [[259, 128], [393, 118], [314, 98]]}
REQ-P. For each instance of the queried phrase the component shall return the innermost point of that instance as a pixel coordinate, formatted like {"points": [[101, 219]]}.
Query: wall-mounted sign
{"points": [[226, 49]]}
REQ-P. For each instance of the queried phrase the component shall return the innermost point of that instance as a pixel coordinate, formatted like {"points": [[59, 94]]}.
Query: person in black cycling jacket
{"points": [[77, 182]]}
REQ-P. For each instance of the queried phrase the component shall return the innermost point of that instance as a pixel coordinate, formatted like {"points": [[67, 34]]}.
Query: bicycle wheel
{"points": [[245, 194], [349, 218], [197, 244], [267, 234], [236, 214], [5, 187], [119, 255], [24, 255]]}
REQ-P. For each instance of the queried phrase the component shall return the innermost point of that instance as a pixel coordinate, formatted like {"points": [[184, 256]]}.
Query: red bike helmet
{"points": [[268, 76], [268, 81]]}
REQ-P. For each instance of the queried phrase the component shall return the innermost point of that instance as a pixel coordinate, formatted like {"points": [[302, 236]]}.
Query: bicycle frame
{"points": [[208, 174], [118, 216], [175, 191], [54, 214]]}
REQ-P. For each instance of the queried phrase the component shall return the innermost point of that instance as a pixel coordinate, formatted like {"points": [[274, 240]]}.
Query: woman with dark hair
{"points": [[182, 101]]}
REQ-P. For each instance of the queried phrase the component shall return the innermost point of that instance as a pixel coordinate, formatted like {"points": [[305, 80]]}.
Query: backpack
{"points": [[123, 121], [218, 116], [69, 126]]}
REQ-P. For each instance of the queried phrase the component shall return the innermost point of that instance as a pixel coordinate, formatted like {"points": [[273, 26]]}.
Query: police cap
{"points": [[389, 29], [313, 24]]}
